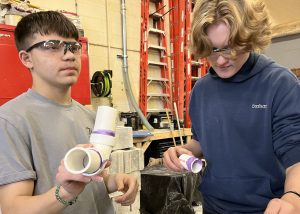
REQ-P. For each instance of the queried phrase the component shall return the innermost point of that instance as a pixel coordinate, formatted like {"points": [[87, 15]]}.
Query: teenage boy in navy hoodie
{"points": [[245, 114]]}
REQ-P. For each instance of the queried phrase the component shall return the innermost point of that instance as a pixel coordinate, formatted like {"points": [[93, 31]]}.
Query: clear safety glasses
{"points": [[57, 46], [227, 53]]}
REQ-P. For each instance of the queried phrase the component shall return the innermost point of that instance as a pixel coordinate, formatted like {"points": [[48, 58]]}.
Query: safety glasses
{"points": [[227, 53], [57, 46]]}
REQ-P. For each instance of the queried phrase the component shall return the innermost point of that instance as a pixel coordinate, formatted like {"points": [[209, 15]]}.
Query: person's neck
{"points": [[59, 95]]}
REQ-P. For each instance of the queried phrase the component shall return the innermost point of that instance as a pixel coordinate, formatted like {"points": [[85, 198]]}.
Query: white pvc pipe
{"points": [[190, 163], [91, 161]]}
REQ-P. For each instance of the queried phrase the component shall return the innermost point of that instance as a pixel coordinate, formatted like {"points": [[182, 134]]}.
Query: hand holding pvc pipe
{"points": [[171, 158], [72, 185], [91, 161]]}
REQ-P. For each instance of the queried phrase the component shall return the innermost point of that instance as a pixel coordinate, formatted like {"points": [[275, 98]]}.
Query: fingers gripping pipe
{"points": [[91, 161]]}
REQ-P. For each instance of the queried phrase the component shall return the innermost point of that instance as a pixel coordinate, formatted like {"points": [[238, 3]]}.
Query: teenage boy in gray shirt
{"points": [[38, 127]]}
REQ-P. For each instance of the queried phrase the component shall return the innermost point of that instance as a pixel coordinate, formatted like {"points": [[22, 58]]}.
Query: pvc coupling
{"points": [[91, 161]]}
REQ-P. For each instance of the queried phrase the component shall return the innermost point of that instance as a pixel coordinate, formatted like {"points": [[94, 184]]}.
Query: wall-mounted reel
{"points": [[101, 83]]}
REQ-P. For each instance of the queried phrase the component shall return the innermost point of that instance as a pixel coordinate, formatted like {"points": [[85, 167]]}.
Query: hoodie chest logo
{"points": [[259, 106]]}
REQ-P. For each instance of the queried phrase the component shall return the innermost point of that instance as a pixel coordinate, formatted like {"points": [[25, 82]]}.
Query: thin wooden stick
{"points": [[171, 129], [178, 124]]}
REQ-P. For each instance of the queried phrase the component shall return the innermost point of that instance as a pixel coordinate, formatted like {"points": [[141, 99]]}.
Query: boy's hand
{"points": [[281, 206], [72, 184], [171, 158], [128, 185]]}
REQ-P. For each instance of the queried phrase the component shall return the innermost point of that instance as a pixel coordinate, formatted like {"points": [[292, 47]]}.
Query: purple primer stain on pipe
{"points": [[190, 163], [104, 132]]}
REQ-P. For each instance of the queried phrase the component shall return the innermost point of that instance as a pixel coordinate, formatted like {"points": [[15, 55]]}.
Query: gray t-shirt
{"points": [[35, 134]]}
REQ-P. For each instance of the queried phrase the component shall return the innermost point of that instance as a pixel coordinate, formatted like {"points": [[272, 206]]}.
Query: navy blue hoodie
{"points": [[249, 130]]}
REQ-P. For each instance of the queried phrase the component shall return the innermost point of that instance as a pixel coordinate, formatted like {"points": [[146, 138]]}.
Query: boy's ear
{"points": [[26, 59]]}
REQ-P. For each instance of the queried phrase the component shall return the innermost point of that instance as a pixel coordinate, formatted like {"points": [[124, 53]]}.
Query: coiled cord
{"points": [[101, 83]]}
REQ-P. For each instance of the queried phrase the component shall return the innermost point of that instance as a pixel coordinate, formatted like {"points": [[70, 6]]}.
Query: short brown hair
{"points": [[44, 23], [248, 20]]}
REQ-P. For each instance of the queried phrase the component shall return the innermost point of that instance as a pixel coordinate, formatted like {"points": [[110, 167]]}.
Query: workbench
{"points": [[159, 134]]}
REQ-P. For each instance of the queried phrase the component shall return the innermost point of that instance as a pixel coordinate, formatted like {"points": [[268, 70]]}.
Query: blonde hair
{"points": [[248, 20]]}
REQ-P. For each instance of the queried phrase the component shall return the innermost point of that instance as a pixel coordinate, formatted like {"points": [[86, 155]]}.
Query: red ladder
{"points": [[188, 63], [183, 67], [155, 84], [177, 31]]}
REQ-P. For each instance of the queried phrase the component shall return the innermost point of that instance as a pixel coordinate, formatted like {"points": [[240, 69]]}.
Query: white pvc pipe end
{"points": [[82, 160], [190, 163]]}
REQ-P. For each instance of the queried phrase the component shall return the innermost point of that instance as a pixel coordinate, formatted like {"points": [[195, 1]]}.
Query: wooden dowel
{"points": [[171, 129], [178, 124]]}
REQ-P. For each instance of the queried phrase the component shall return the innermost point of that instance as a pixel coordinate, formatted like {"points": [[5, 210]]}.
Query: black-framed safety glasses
{"points": [[57, 45]]}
